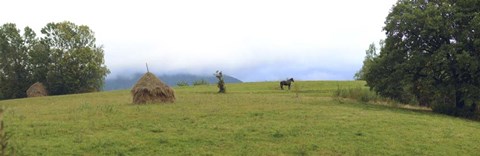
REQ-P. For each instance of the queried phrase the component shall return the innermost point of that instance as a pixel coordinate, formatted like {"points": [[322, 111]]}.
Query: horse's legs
{"points": [[288, 86]]}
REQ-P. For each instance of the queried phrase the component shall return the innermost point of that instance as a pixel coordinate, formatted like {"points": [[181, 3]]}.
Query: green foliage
{"points": [[253, 119], [431, 56], [200, 82], [40, 61], [77, 63], [221, 83], [15, 75], [182, 83], [66, 59], [371, 53], [358, 93]]}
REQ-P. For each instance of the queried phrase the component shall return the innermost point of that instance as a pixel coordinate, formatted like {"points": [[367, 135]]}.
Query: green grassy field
{"points": [[251, 119]]}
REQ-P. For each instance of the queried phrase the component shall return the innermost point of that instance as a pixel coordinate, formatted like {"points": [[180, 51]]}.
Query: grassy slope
{"points": [[251, 119]]}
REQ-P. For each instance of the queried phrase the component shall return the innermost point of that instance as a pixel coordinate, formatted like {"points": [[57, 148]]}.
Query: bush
{"points": [[182, 83], [447, 106], [200, 82], [359, 93]]}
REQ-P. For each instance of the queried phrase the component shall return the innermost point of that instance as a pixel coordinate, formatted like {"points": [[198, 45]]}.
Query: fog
{"points": [[257, 40]]}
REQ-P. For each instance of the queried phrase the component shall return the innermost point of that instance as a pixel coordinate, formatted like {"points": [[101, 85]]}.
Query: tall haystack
{"points": [[150, 89], [36, 90]]}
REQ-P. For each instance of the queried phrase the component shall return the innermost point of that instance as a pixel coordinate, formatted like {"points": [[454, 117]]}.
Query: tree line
{"points": [[65, 58], [431, 56]]}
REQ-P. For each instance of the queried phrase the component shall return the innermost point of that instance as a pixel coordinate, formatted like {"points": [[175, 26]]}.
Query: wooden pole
{"points": [[147, 67]]}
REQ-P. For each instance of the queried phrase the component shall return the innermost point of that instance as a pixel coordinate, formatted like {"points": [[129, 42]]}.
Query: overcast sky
{"points": [[253, 40]]}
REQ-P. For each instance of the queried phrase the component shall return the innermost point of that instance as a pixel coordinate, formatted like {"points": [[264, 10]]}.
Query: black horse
{"points": [[286, 83]]}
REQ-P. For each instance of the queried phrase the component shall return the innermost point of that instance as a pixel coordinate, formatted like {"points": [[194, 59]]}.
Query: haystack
{"points": [[36, 90], [150, 89]]}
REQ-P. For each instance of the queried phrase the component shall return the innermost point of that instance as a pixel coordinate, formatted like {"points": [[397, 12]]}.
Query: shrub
{"points": [[182, 83], [200, 82], [446, 105], [359, 93]]}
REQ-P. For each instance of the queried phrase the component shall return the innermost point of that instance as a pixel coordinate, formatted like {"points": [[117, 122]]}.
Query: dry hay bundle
{"points": [[150, 89], [36, 90]]}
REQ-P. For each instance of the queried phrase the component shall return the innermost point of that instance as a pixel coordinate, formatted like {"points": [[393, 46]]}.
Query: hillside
{"points": [[251, 119], [126, 82]]}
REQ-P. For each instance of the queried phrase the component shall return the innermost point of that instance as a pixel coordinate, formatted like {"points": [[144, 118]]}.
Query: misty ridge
{"points": [[127, 81]]}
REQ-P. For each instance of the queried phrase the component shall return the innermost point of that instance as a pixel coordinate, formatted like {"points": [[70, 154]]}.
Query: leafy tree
{"points": [[221, 82], [431, 56], [39, 61], [371, 53], [66, 59], [14, 72], [75, 64]]}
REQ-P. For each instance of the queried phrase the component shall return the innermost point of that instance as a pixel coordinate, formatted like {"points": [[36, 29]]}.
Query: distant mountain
{"points": [[127, 82]]}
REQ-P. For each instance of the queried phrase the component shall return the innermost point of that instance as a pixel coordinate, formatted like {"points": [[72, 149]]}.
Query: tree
{"points": [[221, 82], [39, 61], [15, 75], [431, 56], [75, 64], [66, 59], [371, 53]]}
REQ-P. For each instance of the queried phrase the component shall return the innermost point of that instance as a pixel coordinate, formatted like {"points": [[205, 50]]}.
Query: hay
{"points": [[36, 90], [150, 89]]}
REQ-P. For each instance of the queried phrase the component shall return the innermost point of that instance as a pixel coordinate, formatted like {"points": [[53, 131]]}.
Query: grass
{"points": [[251, 119], [361, 94]]}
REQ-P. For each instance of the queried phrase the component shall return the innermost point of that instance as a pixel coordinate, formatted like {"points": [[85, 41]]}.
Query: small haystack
{"points": [[36, 90], [150, 89]]}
